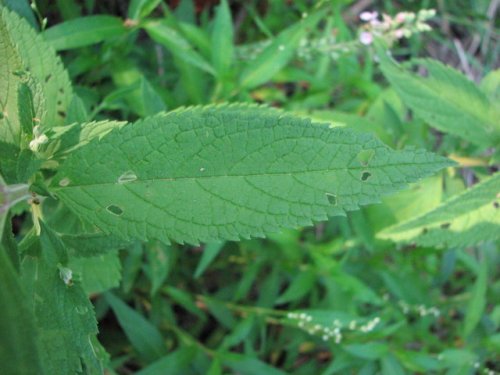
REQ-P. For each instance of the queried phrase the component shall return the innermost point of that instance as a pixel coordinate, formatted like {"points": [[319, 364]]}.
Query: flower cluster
{"points": [[419, 309], [38, 138], [403, 25], [305, 322]]}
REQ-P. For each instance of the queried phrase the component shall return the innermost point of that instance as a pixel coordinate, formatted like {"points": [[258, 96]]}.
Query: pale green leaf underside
{"points": [[466, 219], [446, 100], [229, 172]]}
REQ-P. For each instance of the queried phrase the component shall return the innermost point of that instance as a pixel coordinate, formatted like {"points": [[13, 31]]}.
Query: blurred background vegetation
{"points": [[329, 299]]}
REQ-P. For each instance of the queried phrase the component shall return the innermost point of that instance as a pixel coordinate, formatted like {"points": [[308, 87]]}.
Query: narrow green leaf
{"points": [[84, 31], [372, 350], [210, 252], [152, 101], [247, 365], [19, 352], [226, 172], [185, 300], [278, 54], [222, 39], [239, 333], [25, 108], [65, 318], [178, 362], [159, 262], [299, 287], [144, 337], [391, 366], [477, 302], [177, 45], [139, 9], [446, 100], [466, 219]]}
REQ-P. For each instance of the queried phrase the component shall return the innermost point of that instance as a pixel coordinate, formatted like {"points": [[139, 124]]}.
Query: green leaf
{"points": [[65, 139], [22, 7], [239, 333], [152, 101], [226, 172], [391, 366], [143, 335], [25, 108], [210, 252], [278, 54], [372, 350], [84, 31], [177, 45], [246, 365], [222, 39], [92, 244], [159, 263], [178, 362], [477, 303], [466, 219], [139, 9], [26, 57], [65, 318], [299, 287], [185, 300], [99, 273], [19, 352], [446, 100]]}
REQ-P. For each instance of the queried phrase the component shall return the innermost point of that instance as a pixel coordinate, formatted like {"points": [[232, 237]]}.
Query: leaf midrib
{"points": [[174, 179]]}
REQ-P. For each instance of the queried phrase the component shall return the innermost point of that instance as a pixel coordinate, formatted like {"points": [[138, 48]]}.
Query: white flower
{"points": [[368, 16], [366, 38]]}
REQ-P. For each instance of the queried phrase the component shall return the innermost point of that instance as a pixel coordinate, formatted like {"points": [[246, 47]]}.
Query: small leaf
{"points": [[227, 172], [210, 252], [178, 362], [278, 54], [222, 39], [247, 365], [177, 45], [239, 333], [139, 9], [159, 263], [477, 302], [299, 287], [84, 31], [372, 350], [446, 100], [466, 219], [152, 101], [144, 336]]}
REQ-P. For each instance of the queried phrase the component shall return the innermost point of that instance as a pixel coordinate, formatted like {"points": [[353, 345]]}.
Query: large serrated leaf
{"points": [[19, 351], [23, 51], [227, 172], [65, 320], [446, 100], [10, 64], [466, 219]]}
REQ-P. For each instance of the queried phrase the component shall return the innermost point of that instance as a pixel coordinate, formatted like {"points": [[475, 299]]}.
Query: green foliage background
{"points": [[408, 285]]}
